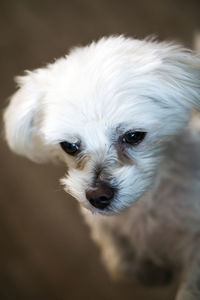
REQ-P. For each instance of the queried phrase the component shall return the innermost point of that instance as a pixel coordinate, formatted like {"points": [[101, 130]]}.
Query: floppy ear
{"points": [[22, 118], [181, 71]]}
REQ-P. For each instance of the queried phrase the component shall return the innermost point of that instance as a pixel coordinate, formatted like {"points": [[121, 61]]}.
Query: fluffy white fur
{"points": [[93, 96]]}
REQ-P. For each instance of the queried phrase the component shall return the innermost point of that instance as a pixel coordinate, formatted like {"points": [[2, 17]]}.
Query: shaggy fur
{"points": [[92, 98]]}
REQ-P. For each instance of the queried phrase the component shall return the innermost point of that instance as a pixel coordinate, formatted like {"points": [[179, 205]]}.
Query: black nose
{"points": [[100, 197]]}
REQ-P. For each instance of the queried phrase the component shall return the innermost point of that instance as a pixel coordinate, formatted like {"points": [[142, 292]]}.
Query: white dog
{"points": [[115, 113]]}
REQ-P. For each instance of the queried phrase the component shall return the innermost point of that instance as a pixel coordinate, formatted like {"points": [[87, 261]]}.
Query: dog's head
{"points": [[108, 110]]}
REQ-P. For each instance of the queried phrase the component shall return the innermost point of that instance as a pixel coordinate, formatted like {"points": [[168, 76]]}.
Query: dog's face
{"points": [[111, 156], [108, 110]]}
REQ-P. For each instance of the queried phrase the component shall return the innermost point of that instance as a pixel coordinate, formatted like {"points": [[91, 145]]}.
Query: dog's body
{"points": [[118, 109]]}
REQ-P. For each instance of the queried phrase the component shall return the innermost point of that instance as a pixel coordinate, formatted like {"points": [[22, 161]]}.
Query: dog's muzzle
{"points": [[100, 196]]}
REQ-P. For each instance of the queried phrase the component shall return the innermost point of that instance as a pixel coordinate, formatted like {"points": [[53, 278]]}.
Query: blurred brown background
{"points": [[45, 248]]}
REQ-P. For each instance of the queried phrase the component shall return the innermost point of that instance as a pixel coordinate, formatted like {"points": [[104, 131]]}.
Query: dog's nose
{"points": [[100, 197]]}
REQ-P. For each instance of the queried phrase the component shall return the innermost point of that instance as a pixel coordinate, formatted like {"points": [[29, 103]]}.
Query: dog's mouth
{"points": [[107, 211]]}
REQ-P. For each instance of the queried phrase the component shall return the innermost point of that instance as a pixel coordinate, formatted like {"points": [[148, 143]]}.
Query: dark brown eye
{"points": [[133, 137], [69, 148]]}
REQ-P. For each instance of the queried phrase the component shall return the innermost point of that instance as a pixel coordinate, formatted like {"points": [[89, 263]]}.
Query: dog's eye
{"points": [[69, 148], [133, 137]]}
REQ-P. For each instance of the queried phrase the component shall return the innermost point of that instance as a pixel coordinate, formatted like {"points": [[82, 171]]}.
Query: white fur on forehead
{"points": [[102, 65], [117, 78], [117, 67]]}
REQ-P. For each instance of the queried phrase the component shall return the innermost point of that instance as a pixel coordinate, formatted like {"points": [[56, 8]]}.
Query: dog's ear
{"points": [[22, 118], [181, 73]]}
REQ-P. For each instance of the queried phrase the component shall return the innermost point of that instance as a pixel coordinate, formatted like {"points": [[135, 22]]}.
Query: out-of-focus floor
{"points": [[45, 249]]}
